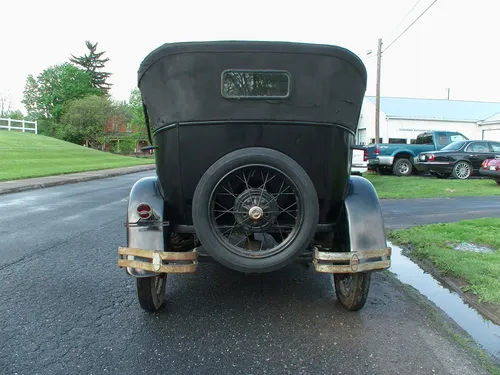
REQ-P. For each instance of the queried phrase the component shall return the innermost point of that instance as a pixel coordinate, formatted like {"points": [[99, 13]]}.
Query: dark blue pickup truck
{"points": [[398, 159]]}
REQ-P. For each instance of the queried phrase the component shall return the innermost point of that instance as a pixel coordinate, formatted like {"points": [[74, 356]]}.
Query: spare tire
{"points": [[255, 210]]}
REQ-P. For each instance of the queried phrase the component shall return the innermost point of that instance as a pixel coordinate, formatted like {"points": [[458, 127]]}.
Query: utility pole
{"points": [[448, 89], [377, 100]]}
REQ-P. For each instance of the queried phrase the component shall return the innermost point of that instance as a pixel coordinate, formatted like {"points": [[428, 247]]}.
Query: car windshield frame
{"points": [[453, 146]]}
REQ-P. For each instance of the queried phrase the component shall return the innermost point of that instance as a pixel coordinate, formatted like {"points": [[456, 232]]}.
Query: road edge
{"points": [[71, 179], [448, 326]]}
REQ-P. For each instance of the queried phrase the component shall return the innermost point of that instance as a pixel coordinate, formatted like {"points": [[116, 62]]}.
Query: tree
{"points": [[137, 121], [85, 119], [46, 96], [6, 110], [4, 106], [93, 63], [14, 115]]}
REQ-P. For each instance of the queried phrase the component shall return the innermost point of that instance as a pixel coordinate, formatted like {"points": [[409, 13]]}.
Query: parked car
{"points": [[359, 160], [460, 159], [399, 159], [491, 168], [249, 174]]}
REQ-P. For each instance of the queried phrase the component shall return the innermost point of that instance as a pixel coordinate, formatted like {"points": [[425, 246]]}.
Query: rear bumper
{"points": [[438, 167], [359, 169], [154, 261], [493, 174], [352, 262], [381, 161], [186, 262]]}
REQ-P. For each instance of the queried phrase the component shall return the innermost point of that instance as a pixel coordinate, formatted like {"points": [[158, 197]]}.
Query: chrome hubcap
{"points": [[463, 170], [255, 213]]}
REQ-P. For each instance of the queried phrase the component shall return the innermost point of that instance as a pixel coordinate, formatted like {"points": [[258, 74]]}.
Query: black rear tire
{"points": [[249, 260], [402, 167], [353, 297], [151, 292]]}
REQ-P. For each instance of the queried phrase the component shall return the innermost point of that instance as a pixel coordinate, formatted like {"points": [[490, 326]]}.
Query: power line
{"points": [[407, 14], [400, 35]]}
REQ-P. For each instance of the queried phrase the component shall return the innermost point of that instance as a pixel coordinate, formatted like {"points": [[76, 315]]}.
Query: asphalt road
{"points": [[404, 213], [66, 308]]}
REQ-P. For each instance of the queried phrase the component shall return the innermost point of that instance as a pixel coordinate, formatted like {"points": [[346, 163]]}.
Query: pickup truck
{"points": [[400, 158], [359, 163]]}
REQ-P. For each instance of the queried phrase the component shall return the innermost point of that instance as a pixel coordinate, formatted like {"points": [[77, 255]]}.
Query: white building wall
{"points": [[406, 128], [367, 123]]}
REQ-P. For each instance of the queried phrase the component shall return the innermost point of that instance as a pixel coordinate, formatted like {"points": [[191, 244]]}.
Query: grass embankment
{"points": [[26, 155], [480, 272], [392, 187]]}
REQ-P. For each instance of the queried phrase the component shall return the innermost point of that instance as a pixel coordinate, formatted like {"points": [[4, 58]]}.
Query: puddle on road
{"points": [[482, 330]]}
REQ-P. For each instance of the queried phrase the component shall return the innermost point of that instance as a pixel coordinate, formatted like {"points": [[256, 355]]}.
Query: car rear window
{"points": [[495, 146], [255, 84], [454, 146]]}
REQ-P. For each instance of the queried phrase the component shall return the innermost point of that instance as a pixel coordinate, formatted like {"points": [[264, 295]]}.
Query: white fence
{"points": [[11, 124]]}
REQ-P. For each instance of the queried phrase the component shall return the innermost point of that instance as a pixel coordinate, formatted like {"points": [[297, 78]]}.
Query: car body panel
{"points": [[491, 168], [359, 161], [364, 216], [145, 234]]}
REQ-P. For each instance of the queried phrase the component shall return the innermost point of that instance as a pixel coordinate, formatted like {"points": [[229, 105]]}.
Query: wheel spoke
{"points": [[263, 188], [262, 242], [286, 210], [223, 213], [281, 233], [231, 229], [224, 208], [244, 238], [230, 193], [275, 198]]}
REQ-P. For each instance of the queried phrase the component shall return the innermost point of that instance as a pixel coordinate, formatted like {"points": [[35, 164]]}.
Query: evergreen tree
{"points": [[93, 63]]}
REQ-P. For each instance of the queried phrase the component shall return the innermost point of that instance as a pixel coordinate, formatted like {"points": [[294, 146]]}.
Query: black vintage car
{"points": [[460, 159], [253, 145]]}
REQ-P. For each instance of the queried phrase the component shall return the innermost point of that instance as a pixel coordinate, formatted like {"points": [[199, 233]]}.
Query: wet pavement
{"points": [[405, 213], [66, 308], [482, 330]]}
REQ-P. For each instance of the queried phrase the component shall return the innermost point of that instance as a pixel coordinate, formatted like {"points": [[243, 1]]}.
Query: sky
{"points": [[455, 44]]}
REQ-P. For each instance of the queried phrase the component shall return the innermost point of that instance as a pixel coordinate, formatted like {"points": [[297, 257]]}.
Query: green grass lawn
{"points": [[26, 155], [392, 187], [434, 242]]}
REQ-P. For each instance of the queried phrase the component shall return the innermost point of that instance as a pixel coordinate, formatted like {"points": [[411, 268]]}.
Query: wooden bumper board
{"points": [[352, 262], [154, 260]]}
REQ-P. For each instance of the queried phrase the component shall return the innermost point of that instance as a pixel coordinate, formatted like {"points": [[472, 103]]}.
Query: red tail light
{"points": [[144, 210], [377, 150], [365, 155], [485, 163], [431, 157]]}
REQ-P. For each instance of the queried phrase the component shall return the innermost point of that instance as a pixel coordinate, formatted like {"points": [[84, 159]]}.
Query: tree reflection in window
{"points": [[255, 84]]}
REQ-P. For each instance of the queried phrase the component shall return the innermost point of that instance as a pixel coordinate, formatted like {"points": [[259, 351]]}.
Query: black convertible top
{"points": [[235, 46], [182, 82]]}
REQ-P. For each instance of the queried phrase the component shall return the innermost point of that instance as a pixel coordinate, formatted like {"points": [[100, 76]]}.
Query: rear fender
{"points": [[402, 151], [147, 235], [364, 216]]}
